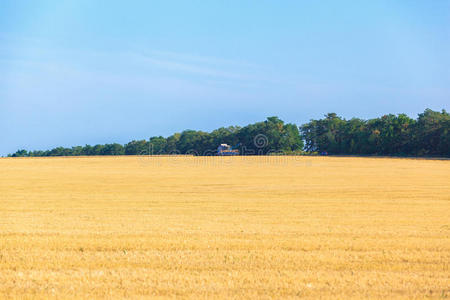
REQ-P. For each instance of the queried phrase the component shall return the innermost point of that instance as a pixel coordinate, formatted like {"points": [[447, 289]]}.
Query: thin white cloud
{"points": [[209, 60], [192, 68]]}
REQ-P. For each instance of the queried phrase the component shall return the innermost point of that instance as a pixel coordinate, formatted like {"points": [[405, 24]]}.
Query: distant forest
{"points": [[393, 135]]}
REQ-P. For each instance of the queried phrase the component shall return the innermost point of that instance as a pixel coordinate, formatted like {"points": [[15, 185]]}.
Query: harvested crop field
{"points": [[224, 227]]}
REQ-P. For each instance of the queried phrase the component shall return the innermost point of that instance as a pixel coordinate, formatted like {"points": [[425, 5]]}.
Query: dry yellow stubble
{"points": [[224, 227]]}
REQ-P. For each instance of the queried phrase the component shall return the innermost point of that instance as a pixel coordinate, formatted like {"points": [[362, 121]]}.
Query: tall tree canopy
{"points": [[271, 135], [387, 135], [428, 135]]}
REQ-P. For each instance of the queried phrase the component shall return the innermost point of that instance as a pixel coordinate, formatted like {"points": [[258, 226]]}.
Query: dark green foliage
{"points": [[20, 153], [269, 136], [276, 136], [112, 149], [157, 145], [171, 144], [137, 148], [389, 135], [432, 133]]}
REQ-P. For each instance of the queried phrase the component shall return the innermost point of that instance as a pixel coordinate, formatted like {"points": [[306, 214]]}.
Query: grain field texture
{"points": [[224, 227]]}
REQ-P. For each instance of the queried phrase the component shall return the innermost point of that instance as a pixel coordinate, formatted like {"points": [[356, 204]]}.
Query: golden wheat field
{"points": [[224, 227]]}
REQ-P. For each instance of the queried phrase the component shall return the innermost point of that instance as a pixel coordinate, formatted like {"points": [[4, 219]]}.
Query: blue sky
{"points": [[88, 72]]}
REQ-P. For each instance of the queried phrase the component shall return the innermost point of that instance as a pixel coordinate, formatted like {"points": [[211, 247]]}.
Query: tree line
{"points": [[258, 138], [398, 135], [428, 135]]}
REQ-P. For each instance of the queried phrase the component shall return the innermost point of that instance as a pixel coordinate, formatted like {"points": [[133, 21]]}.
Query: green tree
{"points": [[140, 147]]}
